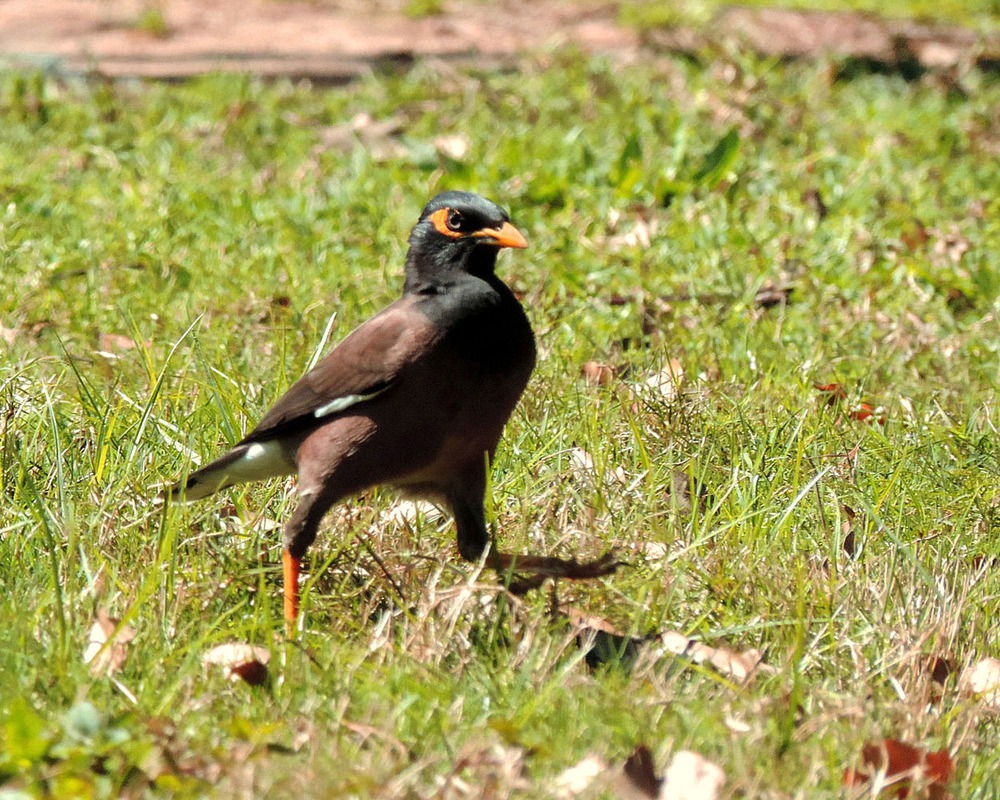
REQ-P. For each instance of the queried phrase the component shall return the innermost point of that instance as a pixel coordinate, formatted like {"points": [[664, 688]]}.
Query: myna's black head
{"points": [[458, 232]]}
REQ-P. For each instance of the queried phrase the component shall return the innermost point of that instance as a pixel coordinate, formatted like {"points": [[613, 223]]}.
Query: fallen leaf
{"points": [[864, 412], [683, 489], [737, 725], [847, 529], [239, 661], [596, 374], [742, 667], [409, 512], [574, 781], [581, 465], [9, 335], [772, 294], [691, 776], [379, 137], [901, 764], [454, 147], [115, 341], [834, 392], [668, 380], [914, 235], [940, 668], [950, 246], [107, 650], [640, 234], [813, 199], [982, 682], [640, 772], [604, 643]]}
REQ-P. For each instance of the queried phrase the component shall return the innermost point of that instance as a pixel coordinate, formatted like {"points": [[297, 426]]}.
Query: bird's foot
{"points": [[536, 569]]}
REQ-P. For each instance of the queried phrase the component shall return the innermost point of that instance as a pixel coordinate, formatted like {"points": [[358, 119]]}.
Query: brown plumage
{"points": [[415, 398]]}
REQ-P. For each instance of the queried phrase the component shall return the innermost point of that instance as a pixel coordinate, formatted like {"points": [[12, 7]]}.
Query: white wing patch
{"points": [[341, 403], [260, 460]]}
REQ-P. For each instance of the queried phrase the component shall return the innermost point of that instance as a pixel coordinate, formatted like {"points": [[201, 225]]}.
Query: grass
{"points": [[980, 14], [172, 256]]}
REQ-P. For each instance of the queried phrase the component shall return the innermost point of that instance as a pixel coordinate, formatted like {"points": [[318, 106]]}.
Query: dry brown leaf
{"points": [[982, 681], [772, 294], [378, 137], [9, 334], [683, 489], [407, 513], [603, 642], [115, 341], [691, 776], [240, 661], [950, 246], [455, 147], [668, 380], [847, 529], [742, 667], [640, 234], [107, 650], [581, 466], [900, 764], [640, 773], [597, 374], [574, 781]]}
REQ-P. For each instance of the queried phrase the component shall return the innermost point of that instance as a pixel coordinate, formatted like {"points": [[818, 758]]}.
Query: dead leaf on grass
{"points": [[691, 776], [982, 682], [938, 668], [813, 199], [833, 394], [640, 772], [950, 246], [379, 137], [240, 661], [847, 529], [107, 646], [639, 234], [455, 147], [574, 781], [772, 294], [582, 468], [604, 643], [9, 335], [115, 341], [668, 380], [682, 491], [597, 374], [898, 765], [740, 666]]}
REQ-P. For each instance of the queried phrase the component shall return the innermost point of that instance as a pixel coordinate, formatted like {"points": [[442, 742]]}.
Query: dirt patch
{"points": [[331, 41], [867, 37]]}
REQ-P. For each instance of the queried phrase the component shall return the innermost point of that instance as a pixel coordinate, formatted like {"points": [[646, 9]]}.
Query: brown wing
{"points": [[365, 364]]}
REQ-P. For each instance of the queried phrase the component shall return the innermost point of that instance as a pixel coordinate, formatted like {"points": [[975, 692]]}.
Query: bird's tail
{"points": [[253, 461]]}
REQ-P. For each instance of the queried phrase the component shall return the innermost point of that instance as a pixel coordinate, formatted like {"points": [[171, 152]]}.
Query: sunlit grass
{"points": [[214, 230]]}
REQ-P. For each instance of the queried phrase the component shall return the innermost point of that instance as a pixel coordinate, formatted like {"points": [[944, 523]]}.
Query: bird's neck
{"points": [[430, 272]]}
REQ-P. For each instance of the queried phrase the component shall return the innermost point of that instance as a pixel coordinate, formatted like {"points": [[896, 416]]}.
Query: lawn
{"points": [[172, 257]]}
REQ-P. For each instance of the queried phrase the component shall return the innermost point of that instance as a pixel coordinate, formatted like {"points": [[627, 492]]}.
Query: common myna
{"points": [[416, 398]]}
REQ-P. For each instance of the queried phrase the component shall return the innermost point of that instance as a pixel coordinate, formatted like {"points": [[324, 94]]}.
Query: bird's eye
{"points": [[454, 220]]}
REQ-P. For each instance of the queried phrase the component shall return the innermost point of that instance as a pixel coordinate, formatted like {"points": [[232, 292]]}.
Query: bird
{"points": [[416, 398]]}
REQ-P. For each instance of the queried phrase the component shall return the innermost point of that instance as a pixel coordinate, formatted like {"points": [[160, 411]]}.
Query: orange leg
{"points": [[292, 568]]}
